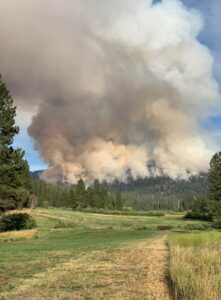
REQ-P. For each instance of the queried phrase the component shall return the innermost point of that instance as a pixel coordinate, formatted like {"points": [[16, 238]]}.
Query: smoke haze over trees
{"points": [[112, 84]]}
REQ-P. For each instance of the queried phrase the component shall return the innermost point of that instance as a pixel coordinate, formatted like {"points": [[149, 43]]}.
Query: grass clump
{"points": [[17, 221], [63, 224], [14, 236], [195, 262]]}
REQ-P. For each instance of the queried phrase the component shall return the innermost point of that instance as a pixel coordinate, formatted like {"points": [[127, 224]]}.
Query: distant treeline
{"points": [[161, 193], [155, 193], [77, 197]]}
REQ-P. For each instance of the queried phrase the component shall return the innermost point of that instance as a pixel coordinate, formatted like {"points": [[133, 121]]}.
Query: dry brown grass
{"points": [[19, 211], [18, 235], [158, 269], [195, 266]]}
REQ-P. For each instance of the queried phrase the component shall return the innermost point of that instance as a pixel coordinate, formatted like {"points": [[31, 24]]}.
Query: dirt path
{"points": [[157, 286]]}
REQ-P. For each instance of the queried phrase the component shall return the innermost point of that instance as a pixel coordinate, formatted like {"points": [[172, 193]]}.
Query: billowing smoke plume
{"points": [[116, 83]]}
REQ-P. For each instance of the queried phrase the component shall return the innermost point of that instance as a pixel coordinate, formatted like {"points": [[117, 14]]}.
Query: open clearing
{"points": [[88, 256]]}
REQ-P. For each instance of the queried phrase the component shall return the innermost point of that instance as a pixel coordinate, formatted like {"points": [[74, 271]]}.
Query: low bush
{"points": [[144, 228], [200, 226], [204, 209], [199, 216], [62, 224], [17, 221], [217, 224], [123, 212], [164, 227]]}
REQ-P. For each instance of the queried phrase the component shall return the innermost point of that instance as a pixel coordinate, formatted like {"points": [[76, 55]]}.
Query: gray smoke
{"points": [[115, 83]]}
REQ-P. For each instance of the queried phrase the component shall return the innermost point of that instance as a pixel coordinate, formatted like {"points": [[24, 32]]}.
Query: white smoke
{"points": [[117, 83]]}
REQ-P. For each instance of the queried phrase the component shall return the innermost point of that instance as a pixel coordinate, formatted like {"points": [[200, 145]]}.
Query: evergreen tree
{"points": [[119, 201], [214, 177], [100, 194], [80, 196], [72, 197], [14, 170], [91, 199]]}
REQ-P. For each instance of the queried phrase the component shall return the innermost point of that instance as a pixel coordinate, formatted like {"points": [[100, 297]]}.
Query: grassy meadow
{"points": [[195, 265], [76, 255]]}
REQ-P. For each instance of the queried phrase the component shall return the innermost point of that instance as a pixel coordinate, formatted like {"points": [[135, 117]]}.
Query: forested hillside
{"points": [[142, 194], [161, 192]]}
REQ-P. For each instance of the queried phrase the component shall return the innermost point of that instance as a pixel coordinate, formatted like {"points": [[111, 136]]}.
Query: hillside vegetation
{"points": [[161, 192], [154, 193]]}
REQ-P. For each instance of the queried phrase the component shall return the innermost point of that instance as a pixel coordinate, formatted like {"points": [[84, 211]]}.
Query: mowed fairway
{"points": [[87, 256]]}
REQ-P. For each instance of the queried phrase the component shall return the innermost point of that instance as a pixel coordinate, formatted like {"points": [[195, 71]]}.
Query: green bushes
{"points": [[217, 224], [17, 221], [204, 209], [123, 212], [199, 216]]}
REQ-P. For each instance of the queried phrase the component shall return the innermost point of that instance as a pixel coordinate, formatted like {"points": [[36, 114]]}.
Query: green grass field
{"points": [[75, 255], [195, 265]]}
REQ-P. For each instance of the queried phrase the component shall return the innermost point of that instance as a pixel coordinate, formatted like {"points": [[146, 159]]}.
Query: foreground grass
{"points": [[79, 261], [195, 265], [74, 255]]}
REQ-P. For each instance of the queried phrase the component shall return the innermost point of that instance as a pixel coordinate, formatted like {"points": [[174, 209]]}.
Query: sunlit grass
{"points": [[48, 217], [18, 235], [195, 265], [77, 255]]}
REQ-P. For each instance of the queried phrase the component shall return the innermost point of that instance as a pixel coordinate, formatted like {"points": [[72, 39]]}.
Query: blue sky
{"points": [[210, 36], [25, 142]]}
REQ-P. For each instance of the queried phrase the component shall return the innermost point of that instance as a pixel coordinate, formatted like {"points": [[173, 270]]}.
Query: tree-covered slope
{"points": [[151, 193], [161, 192]]}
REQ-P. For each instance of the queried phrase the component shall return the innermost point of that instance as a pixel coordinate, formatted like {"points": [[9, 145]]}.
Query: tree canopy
{"points": [[14, 170], [214, 176]]}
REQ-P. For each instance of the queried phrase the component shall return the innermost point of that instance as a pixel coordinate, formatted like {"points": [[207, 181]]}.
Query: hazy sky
{"points": [[210, 36]]}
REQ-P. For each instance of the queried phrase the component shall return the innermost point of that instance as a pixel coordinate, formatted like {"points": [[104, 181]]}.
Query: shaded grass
{"points": [[195, 264]]}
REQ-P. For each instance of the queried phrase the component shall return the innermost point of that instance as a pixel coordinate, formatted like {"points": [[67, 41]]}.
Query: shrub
{"points": [[204, 209], [127, 208], [199, 226], [217, 224], [17, 221], [123, 212], [199, 216], [45, 204], [62, 224], [164, 227]]}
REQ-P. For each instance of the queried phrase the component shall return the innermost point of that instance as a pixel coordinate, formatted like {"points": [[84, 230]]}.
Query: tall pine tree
{"points": [[14, 170], [214, 177], [80, 194]]}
